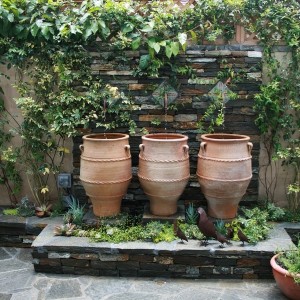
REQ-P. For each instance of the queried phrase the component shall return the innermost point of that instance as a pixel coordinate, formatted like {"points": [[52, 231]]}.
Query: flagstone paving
{"points": [[19, 281]]}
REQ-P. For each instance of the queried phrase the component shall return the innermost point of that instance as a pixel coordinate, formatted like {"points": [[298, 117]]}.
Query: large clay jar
{"points": [[224, 172], [284, 280], [105, 170], [164, 170]]}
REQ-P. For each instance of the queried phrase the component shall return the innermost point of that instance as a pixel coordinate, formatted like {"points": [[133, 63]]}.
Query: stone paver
{"points": [[19, 281]]}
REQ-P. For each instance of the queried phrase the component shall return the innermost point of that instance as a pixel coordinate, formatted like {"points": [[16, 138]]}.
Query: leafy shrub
{"points": [[275, 213], [254, 224], [158, 232], [192, 231]]}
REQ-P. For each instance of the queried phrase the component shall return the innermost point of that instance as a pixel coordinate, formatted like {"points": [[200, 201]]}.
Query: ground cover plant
{"points": [[126, 227]]}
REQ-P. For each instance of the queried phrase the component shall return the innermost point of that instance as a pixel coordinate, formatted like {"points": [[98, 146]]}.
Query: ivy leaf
{"points": [[175, 48], [149, 26], [104, 29], [45, 32], [84, 17], [102, 23], [182, 37], [154, 45], [136, 43], [94, 27], [193, 35], [10, 18], [88, 32], [168, 51], [34, 30], [128, 27], [144, 61]]}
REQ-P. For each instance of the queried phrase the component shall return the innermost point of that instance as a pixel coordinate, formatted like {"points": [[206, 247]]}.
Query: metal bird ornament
{"points": [[242, 237], [235, 232], [208, 229], [178, 232]]}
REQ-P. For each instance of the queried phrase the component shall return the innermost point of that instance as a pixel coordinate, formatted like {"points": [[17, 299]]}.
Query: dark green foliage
{"points": [[275, 213], [26, 208], [292, 216]]}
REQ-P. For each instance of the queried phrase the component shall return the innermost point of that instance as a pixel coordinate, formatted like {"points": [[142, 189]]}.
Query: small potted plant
{"points": [[286, 271]]}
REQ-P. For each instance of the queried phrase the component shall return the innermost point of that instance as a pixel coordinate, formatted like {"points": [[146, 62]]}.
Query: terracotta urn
{"points": [[105, 171], [224, 172], [164, 170], [284, 280]]}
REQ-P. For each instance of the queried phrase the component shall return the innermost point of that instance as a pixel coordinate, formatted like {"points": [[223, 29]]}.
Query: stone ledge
{"points": [[16, 231], [74, 255]]}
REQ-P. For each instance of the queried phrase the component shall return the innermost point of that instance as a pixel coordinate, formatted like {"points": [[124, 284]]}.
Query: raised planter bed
{"points": [[73, 255]]}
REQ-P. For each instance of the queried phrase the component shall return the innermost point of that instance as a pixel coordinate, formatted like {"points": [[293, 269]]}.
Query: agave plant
{"points": [[220, 227], [75, 212], [191, 214]]}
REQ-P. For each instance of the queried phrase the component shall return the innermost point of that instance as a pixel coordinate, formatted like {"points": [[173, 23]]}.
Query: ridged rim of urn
{"points": [[170, 137], [99, 137], [224, 137]]}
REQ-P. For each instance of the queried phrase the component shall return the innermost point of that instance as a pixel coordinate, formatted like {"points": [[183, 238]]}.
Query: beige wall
{"points": [[9, 94]]}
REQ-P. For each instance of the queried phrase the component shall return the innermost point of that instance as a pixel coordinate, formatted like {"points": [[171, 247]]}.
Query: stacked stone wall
{"points": [[206, 62]]}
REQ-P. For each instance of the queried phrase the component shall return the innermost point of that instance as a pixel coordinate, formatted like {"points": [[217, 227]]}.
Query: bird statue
{"points": [[208, 229], [178, 232], [236, 232], [242, 237]]}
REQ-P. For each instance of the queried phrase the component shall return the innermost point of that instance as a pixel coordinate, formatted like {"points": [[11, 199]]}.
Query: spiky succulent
{"points": [[65, 229], [191, 214]]}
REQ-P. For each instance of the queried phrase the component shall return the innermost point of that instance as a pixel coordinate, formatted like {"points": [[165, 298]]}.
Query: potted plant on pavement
{"points": [[286, 271]]}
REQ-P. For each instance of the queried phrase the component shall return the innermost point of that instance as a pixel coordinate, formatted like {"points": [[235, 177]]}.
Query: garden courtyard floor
{"points": [[18, 280]]}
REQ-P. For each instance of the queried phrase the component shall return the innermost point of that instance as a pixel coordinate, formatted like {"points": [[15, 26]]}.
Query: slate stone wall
{"points": [[18, 232], [206, 61], [124, 265], [141, 262]]}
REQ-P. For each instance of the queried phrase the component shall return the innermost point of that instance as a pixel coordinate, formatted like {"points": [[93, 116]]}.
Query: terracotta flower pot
{"points": [[164, 170], [224, 172], [105, 170], [285, 281]]}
